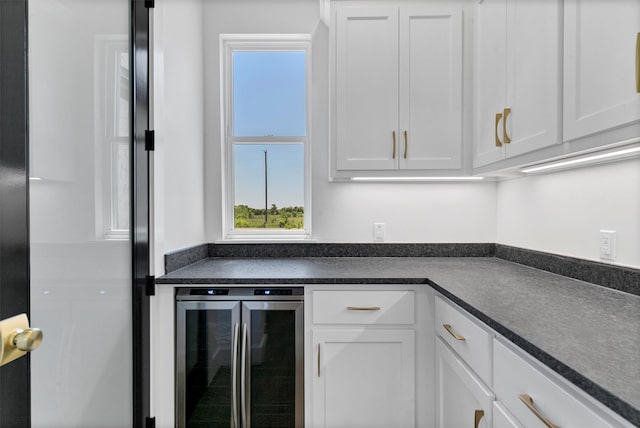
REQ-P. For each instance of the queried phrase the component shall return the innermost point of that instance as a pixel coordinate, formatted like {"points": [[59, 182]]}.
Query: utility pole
{"points": [[265, 189]]}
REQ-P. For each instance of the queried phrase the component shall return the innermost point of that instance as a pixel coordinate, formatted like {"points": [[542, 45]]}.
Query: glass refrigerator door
{"points": [[272, 364], [207, 336]]}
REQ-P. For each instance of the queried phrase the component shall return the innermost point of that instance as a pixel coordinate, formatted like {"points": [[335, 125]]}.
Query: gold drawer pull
{"points": [[450, 330], [505, 136], [477, 416], [498, 118], [363, 308], [394, 145], [528, 401], [638, 63], [406, 143]]}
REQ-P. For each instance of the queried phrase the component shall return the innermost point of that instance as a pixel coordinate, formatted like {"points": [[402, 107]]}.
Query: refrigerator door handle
{"points": [[234, 376], [243, 378]]}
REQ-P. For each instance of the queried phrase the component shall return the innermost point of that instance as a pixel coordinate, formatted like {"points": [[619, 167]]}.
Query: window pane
{"points": [[120, 187], [283, 196], [122, 94], [269, 94]]}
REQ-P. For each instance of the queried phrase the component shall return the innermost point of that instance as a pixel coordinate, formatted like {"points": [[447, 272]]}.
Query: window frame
{"points": [[230, 43], [108, 138]]}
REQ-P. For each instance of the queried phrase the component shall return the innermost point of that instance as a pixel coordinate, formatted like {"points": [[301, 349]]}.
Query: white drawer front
{"points": [[473, 343], [363, 307], [514, 376]]}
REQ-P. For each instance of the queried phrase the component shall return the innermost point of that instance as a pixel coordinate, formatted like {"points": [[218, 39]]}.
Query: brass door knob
{"points": [[28, 339]]}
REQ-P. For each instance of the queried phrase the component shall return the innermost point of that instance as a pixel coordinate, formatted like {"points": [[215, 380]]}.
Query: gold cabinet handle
{"points": [[476, 418], [528, 401], [498, 118], [394, 145], [318, 360], [363, 308], [638, 63], [406, 143], [505, 136], [451, 332]]}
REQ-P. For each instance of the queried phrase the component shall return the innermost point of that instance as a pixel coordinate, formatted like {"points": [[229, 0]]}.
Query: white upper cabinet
{"points": [[366, 87], [518, 73], [398, 88], [600, 66], [430, 88]]}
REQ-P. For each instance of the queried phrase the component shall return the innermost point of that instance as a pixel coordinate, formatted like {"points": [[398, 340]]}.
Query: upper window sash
{"points": [[230, 43]]}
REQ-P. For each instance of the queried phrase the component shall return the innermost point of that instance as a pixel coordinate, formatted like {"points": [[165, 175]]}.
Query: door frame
{"points": [[143, 286], [15, 378], [15, 381]]}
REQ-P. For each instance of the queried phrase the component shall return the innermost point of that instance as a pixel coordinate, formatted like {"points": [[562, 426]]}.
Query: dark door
{"points": [[30, 174]]}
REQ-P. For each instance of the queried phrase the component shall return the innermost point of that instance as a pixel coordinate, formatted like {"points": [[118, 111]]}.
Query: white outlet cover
{"points": [[378, 232], [608, 245]]}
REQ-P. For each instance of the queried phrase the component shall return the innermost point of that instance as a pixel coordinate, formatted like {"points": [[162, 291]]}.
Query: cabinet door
{"points": [[366, 88], [364, 378], [430, 88], [502, 418], [462, 400], [490, 80], [599, 65], [534, 74]]}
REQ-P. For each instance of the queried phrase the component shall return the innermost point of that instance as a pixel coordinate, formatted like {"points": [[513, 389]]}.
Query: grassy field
{"points": [[277, 218]]}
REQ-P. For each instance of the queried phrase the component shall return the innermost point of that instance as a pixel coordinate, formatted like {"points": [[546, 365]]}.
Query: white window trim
{"points": [[258, 42], [107, 140]]}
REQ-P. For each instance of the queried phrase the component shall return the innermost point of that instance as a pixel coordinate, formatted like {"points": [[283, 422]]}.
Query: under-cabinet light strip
{"points": [[416, 178], [578, 161]]}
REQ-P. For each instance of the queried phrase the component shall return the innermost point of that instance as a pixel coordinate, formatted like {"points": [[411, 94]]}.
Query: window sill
{"points": [[264, 239]]}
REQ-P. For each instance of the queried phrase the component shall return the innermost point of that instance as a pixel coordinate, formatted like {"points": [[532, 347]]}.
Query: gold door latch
{"points": [[17, 338]]}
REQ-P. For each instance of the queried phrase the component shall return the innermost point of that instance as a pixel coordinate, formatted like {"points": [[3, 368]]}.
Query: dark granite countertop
{"points": [[587, 333]]}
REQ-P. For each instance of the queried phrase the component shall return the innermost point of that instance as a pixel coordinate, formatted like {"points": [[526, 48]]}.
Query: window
{"points": [[265, 90], [112, 98]]}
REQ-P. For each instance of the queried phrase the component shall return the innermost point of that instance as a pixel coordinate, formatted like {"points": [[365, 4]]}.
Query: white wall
{"points": [[342, 212], [179, 125], [563, 212]]}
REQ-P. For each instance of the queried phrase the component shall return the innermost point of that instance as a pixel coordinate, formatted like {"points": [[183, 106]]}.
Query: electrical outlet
{"points": [[608, 244], [378, 232]]}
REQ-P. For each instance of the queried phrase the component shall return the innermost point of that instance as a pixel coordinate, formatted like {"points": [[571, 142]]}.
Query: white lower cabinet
{"points": [[365, 378], [462, 399], [387, 357], [528, 394], [369, 357]]}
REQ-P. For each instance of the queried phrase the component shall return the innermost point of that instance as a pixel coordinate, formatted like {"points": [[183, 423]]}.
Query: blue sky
{"points": [[285, 168], [269, 99], [269, 94]]}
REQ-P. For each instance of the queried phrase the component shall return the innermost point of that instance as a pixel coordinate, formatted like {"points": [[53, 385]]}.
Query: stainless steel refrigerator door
{"points": [[207, 370], [272, 362]]}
